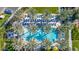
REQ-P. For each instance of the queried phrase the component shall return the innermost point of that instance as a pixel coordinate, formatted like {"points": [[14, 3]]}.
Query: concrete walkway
{"points": [[70, 40]]}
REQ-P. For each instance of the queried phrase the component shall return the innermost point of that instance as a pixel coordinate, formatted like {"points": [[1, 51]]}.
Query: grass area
{"points": [[75, 37], [75, 44], [2, 31], [1, 44], [6, 18], [50, 9]]}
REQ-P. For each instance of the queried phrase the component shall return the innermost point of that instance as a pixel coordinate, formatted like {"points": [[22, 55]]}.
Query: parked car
{"points": [[8, 11]]}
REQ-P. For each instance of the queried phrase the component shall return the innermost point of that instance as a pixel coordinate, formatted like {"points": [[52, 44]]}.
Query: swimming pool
{"points": [[40, 35], [52, 35]]}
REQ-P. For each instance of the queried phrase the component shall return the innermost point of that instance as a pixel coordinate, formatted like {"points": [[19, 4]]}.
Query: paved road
{"points": [[14, 11], [13, 8], [1, 9]]}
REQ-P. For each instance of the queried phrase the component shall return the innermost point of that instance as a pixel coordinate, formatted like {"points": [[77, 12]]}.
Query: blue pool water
{"points": [[40, 35], [52, 35]]}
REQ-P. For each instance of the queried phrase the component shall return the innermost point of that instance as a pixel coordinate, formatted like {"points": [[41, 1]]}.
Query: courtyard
{"points": [[37, 29]]}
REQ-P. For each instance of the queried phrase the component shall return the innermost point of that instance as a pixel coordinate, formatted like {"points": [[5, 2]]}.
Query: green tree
{"points": [[47, 44], [9, 45], [46, 28], [46, 14], [31, 11], [32, 44], [66, 13]]}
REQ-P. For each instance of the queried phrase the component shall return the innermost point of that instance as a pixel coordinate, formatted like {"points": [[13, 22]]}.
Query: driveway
{"points": [[2, 8], [13, 8]]}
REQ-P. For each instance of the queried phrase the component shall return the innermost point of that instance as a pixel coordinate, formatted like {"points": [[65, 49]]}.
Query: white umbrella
{"points": [[2, 16], [58, 24], [56, 44]]}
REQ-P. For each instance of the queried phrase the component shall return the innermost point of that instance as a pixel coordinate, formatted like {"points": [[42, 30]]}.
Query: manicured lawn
{"points": [[6, 18], [50, 9], [2, 31], [1, 43], [75, 44]]}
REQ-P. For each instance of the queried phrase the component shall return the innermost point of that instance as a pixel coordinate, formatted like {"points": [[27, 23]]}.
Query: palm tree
{"points": [[32, 44], [46, 14], [66, 13], [47, 44], [76, 15], [19, 14], [9, 45], [33, 28], [31, 12], [46, 28]]}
